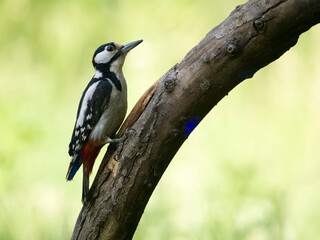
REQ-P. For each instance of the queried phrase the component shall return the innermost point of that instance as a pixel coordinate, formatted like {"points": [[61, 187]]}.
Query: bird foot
{"points": [[120, 141]]}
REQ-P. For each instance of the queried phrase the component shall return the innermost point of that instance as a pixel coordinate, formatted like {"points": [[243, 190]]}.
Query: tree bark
{"points": [[254, 35]]}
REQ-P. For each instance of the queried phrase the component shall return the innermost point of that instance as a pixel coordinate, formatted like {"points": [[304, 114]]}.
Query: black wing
{"points": [[94, 100]]}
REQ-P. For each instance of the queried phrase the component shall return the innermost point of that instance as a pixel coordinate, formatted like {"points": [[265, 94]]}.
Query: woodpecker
{"points": [[101, 110]]}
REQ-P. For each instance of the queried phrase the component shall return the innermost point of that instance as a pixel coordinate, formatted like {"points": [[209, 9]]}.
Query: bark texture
{"points": [[254, 35]]}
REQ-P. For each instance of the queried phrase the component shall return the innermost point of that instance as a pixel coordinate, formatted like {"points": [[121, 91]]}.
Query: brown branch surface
{"points": [[254, 35]]}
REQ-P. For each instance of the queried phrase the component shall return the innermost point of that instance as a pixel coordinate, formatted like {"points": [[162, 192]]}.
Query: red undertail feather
{"points": [[90, 152]]}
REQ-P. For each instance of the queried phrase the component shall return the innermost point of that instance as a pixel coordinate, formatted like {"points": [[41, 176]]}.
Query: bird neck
{"points": [[115, 75], [102, 70]]}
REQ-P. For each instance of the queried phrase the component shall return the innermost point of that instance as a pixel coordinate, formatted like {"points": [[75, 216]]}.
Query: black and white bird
{"points": [[101, 110]]}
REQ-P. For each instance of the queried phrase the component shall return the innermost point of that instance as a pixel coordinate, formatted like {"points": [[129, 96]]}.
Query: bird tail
{"points": [[85, 186], [86, 157], [74, 166]]}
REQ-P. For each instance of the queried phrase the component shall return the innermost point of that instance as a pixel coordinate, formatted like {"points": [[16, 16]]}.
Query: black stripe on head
{"points": [[101, 49]]}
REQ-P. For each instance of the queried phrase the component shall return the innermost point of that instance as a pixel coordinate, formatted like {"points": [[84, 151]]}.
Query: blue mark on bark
{"points": [[191, 124]]}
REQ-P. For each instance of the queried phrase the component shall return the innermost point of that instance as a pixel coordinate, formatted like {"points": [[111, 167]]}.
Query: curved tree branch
{"points": [[254, 35]]}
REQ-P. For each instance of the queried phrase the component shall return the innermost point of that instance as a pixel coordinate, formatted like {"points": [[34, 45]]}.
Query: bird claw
{"points": [[120, 142]]}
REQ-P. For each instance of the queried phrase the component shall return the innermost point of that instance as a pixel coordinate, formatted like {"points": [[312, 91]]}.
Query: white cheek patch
{"points": [[104, 56]]}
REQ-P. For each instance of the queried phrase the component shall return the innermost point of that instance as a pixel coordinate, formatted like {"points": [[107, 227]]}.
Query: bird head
{"points": [[112, 55]]}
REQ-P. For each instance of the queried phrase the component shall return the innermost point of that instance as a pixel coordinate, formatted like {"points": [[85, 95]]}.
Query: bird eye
{"points": [[110, 48]]}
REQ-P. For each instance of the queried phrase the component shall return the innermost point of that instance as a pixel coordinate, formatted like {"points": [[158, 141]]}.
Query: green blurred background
{"points": [[249, 171]]}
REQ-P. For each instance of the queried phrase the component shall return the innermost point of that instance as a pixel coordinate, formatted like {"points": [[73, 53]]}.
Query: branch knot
{"points": [[259, 25], [170, 80], [232, 48]]}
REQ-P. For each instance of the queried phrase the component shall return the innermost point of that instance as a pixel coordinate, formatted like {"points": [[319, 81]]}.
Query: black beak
{"points": [[126, 48]]}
